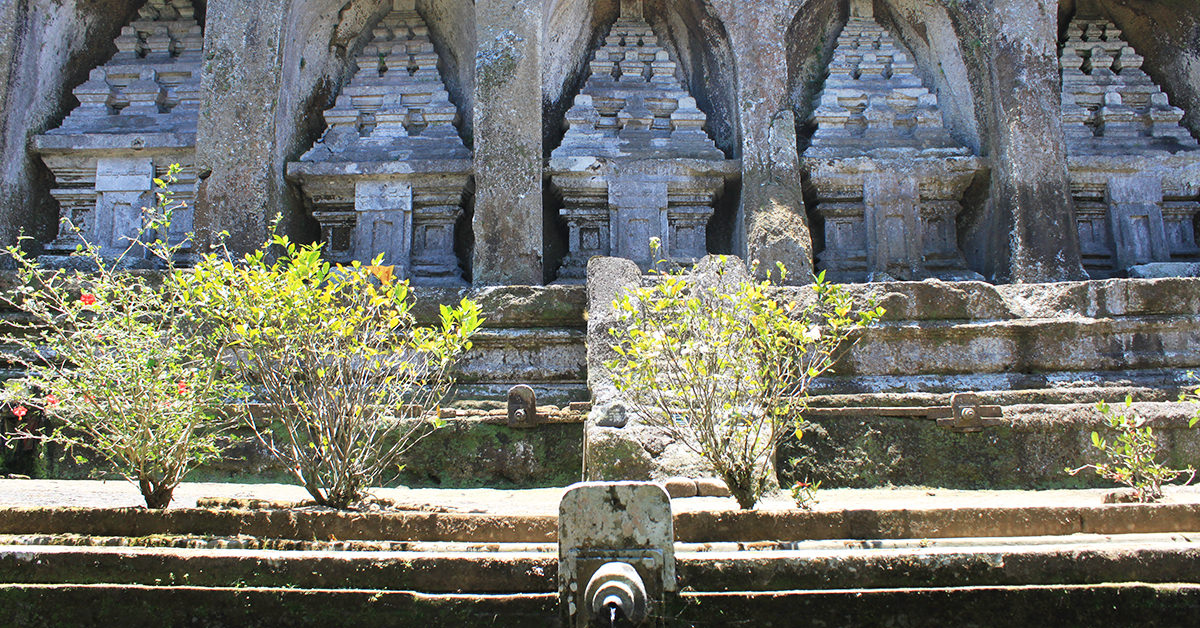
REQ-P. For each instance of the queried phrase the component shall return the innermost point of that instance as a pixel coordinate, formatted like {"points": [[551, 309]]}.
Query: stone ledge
{"points": [[691, 526], [428, 572], [154, 607]]}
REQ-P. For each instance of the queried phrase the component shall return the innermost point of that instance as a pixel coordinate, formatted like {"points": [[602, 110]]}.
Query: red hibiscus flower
{"points": [[51, 400], [88, 299], [181, 387], [20, 411]]}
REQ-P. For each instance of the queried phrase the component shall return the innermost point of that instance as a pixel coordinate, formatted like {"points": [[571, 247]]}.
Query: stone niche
{"points": [[636, 162], [137, 115], [887, 177], [1135, 171], [390, 174]]}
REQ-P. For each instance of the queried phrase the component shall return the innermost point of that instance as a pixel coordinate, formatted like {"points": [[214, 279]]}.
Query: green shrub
{"points": [[114, 360], [726, 372], [805, 493], [1130, 456], [337, 354]]}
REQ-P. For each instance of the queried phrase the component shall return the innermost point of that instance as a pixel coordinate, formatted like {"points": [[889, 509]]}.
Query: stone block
{"points": [[680, 487], [602, 524]]}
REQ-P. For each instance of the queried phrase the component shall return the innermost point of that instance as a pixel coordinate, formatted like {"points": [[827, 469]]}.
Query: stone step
{"points": [[697, 521]]}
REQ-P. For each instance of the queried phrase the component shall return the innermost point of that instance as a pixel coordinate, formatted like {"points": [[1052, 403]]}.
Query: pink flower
{"points": [[20, 411], [88, 299], [51, 400]]}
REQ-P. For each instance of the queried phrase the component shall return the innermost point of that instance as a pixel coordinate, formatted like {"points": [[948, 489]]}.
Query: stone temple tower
{"points": [[137, 115], [1135, 172], [390, 173], [887, 176], [636, 162]]}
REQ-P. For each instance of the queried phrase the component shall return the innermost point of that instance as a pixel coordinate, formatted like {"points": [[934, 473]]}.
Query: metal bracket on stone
{"points": [[616, 554], [967, 414], [522, 407]]}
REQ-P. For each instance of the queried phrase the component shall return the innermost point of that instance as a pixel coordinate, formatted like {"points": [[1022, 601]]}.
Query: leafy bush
{"points": [[805, 493], [727, 372], [337, 354], [114, 360], [1192, 395], [1130, 457]]}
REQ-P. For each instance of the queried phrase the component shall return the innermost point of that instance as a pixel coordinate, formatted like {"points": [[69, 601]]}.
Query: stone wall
{"points": [[1038, 357], [512, 71]]}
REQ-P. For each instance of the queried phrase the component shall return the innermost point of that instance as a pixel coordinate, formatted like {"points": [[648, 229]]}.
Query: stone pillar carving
{"points": [[635, 162], [1135, 220], [137, 115], [888, 178], [434, 228], [895, 235], [1135, 170], [390, 174], [122, 190], [383, 222]]}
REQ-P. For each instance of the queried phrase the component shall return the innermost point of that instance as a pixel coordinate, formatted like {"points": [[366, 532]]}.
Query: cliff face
{"points": [[512, 69]]}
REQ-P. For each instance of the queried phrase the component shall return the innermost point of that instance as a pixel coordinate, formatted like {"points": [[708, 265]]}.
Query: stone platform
{"points": [[486, 557], [1043, 354]]}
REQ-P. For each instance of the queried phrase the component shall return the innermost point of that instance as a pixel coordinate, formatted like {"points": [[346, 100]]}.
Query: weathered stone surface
{"points": [[1158, 270], [887, 175], [1135, 170], [239, 190], [607, 278], [136, 117], [509, 306], [389, 174], [711, 487], [604, 523], [469, 453], [1025, 230], [771, 225], [635, 163], [508, 142], [680, 487], [1030, 450]]}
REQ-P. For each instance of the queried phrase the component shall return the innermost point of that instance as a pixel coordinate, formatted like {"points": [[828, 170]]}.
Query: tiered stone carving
{"points": [[887, 176], [390, 173], [636, 162], [137, 115], [1135, 171]]}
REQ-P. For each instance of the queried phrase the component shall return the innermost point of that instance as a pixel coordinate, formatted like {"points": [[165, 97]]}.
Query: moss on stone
{"points": [[864, 452]]}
